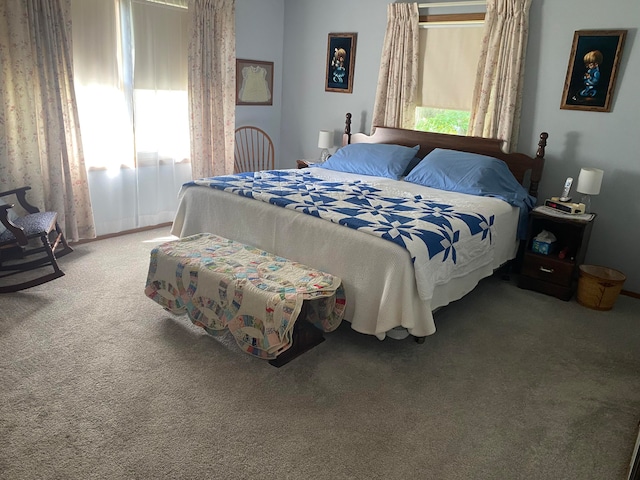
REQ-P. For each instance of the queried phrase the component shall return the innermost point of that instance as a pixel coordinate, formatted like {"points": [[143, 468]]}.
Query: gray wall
{"points": [[306, 107], [610, 141], [260, 36]]}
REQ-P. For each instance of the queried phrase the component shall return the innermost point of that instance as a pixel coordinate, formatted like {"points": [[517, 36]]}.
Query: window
{"points": [[442, 120], [130, 66], [160, 102], [449, 50]]}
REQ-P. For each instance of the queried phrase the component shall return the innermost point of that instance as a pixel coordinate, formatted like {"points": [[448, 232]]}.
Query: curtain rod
{"points": [[470, 23], [165, 3], [461, 3]]}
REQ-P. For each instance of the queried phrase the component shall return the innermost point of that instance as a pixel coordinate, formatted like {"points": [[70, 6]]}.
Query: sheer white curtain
{"points": [[130, 59], [396, 93], [161, 108], [497, 98]]}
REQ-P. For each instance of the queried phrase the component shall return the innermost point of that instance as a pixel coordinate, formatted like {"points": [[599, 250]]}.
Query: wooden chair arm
{"points": [[21, 195], [14, 191], [18, 232]]}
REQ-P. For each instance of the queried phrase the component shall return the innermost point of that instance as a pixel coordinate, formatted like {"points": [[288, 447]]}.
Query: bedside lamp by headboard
{"points": [[589, 183], [325, 141]]}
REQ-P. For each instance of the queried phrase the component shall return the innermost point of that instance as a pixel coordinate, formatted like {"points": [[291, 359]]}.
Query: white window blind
{"points": [[448, 62], [161, 44]]}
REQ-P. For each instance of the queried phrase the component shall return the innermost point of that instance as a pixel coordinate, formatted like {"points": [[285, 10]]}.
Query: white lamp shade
{"points": [[325, 139], [589, 181]]}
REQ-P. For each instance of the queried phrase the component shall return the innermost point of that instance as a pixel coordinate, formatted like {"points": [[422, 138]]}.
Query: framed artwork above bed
{"points": [[341, 59], [592, 71]]}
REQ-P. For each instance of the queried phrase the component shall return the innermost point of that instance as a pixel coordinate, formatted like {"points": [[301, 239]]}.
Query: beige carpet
{"points": [[98, 382]]}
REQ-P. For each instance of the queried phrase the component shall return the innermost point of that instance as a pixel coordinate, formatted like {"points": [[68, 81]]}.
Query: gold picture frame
{"points": [[254, 82], [341, 59], [592, 71]]}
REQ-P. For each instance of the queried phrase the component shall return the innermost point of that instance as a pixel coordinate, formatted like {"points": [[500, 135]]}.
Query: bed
{"points": [[390, 286]]}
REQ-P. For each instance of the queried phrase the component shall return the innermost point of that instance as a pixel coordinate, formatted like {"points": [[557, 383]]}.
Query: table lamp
{"points": [[325, 141], [589, 183]]}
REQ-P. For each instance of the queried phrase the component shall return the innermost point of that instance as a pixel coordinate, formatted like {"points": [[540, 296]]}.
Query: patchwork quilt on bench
{"points": [[223, 285]]}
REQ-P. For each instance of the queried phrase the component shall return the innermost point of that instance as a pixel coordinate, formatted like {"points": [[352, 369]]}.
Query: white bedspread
{"points": [[377, 274]]}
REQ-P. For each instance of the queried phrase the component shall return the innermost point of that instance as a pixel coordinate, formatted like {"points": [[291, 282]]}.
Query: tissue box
{"points": [[545, 248]]}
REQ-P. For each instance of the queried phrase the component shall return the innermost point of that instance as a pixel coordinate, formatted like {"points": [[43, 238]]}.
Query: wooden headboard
{"points": [[520, 164]]}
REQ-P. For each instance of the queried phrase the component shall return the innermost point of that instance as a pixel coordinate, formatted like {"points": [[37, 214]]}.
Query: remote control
{"points": [[564, 197]]}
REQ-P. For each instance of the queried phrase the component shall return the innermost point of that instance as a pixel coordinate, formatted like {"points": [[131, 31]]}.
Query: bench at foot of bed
{"points": [[264, 300], [305, 337]]}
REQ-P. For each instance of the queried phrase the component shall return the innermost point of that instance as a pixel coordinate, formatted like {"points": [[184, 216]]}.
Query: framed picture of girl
{"points": [[341, 58], [593, 67]]}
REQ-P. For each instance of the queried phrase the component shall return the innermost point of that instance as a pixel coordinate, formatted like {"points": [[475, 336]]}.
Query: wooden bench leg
{"points": [[305, 337]]}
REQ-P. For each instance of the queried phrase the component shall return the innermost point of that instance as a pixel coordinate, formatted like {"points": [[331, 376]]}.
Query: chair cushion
{"points": [[33, 224]]}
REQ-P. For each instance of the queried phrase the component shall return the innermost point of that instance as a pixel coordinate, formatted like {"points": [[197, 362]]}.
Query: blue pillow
{"points": [[473, 174], [377, 159]]}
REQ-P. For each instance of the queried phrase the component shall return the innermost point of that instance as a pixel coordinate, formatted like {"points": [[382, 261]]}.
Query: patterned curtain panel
{"points": [[212, 86], [497, 98], [41, 144], [398, 78]]}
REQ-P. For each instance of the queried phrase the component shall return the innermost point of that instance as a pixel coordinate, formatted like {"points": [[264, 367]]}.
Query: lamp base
{"points": [[586, 199], [324, 154]]}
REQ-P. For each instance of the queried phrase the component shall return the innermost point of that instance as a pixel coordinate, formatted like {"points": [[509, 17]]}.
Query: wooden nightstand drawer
{"points": [[548, 273], [548, 269]]}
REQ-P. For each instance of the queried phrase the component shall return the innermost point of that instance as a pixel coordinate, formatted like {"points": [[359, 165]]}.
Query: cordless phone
{"points": [[564, 197]]}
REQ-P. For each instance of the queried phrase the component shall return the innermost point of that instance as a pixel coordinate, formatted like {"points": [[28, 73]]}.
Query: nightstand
{"points": [[307, 163], [555, 274]]}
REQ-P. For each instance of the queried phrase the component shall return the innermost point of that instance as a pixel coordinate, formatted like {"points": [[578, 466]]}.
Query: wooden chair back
{"points": [[253, 150]]}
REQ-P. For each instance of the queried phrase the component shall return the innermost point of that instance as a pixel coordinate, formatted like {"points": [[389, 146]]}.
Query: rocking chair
{"points": [[19, 240]]}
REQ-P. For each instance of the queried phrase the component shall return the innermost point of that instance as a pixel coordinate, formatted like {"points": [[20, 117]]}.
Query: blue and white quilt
{"points": [[443, 242]]}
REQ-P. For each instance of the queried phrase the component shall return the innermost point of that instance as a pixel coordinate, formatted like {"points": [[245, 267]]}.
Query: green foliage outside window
{"points": [[438, 120]]}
